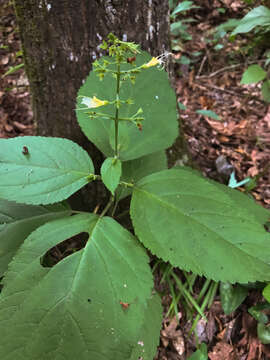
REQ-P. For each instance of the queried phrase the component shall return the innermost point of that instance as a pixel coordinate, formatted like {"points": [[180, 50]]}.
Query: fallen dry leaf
{"points": [[223, 351], [171, 335]]}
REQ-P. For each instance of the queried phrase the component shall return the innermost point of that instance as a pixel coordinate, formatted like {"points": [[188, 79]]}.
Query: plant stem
{"points": [[206, 302], [79, 212], [124, 213], [115, 206], [188, 296], [116, 119], [203, 290], [126, 184], [107, 207]]}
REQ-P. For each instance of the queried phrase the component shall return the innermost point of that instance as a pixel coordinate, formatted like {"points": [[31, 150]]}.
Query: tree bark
{"points": [[60, 41]]}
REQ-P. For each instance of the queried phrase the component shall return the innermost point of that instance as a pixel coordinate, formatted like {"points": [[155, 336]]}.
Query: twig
{"points": [[205, 86], [201, 66], [225, 68], [219, 71]]}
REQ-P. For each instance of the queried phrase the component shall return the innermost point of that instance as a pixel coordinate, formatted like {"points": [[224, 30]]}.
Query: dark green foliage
{"points": [[207, 227], [232, 296]]}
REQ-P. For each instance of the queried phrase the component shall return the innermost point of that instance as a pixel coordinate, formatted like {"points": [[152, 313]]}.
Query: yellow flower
{"points": [[93, 102], [153, 62], [159, 60]]}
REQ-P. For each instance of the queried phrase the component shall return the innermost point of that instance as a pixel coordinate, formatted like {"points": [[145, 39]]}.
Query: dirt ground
{"points": [[240, 140]]}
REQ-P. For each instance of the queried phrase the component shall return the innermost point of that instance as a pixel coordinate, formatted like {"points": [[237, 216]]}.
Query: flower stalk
{"points": [[116, 119]]}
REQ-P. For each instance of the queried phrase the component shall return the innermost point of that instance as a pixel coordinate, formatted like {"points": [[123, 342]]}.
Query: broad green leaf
{"points": [[266, 293], [221, 10], [171, 4], [253, 74], [263, 332], [148, 339], [111, 170], [175, 26], [228, 25], [73, 310], [266, 90], [231, 296], [184, 60], [208, 113], [258, 314], [134, 170], [152, 92], [183, 6], [17, 221], [202, 226], [200, 354], [39, 170], [218, 47], [260, 16], [181, 106]]}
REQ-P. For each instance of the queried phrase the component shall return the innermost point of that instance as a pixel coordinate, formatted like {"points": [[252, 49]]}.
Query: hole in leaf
{"points": [[64, 249]]}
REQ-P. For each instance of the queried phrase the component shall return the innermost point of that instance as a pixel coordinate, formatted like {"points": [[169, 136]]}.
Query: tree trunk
{"points": [[60, 41]]}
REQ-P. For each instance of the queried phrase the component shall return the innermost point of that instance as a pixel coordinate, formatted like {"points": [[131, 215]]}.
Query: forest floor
{"points": [[207, 78]]}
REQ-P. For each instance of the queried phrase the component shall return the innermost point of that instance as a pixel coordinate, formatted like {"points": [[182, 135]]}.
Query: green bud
{"points": [[129, 101], [101, 76], [104, 45], [132, 79]]}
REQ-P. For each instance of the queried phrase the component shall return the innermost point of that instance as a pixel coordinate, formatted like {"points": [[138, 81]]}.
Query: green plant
{"points": [[255, 74], [259, 314], [13, 69], [183, 291], [200, 354], [233, 296], [258, 21], [97, 301], [179, 29]]}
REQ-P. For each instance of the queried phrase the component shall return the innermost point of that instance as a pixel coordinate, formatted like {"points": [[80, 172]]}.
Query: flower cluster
{"points": [[121, 51]]}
